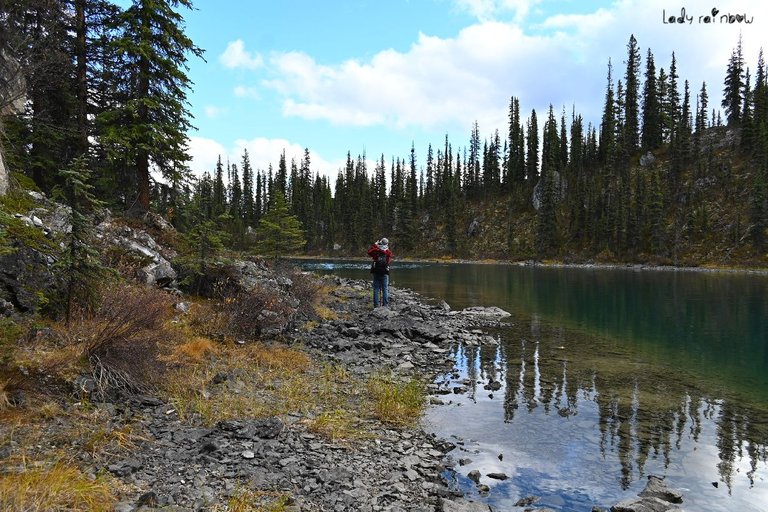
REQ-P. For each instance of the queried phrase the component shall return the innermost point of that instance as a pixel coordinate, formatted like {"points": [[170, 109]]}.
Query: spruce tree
{"points": [[701, 113], [631, 98], [279, 233], [280, 185], [651, 135], [672, 105], [562, 157], [734, 86], [532, 156], [760, 95], [608, 123], [472, 172], [79, 266], [546, 223], [249, 206], [258, 199], [236, 193], [429, 190], [748, 132], [576, 180], [151, 121], [516, 155], [381, 201], [219, 204], [450, 196], [662, 85]]}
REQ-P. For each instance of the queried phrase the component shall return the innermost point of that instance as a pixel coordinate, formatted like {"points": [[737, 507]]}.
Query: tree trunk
{"points": [[143, 121], [142, 180], [82, 83]]}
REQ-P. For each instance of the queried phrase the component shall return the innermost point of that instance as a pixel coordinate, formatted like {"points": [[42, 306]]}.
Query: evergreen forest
{"points": [[674, 173]]}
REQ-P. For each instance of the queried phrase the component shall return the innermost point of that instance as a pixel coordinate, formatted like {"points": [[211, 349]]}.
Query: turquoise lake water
{"points": [[608, 375]]}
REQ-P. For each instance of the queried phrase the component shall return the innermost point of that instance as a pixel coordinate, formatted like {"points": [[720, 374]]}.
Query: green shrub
{"points": [[22, 181]]}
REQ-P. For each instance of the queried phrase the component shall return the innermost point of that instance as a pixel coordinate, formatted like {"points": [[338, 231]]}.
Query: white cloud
{"points": [[261, 152], [236, 56], [243, 91], [212, 111], [204, 153], [444, 83], [485, 10]]}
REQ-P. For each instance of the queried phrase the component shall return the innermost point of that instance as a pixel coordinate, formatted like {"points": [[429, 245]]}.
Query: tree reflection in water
{"points": [[644, 411]]}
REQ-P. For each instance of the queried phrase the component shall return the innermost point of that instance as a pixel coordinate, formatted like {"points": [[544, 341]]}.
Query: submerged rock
{"points": [[658, 488], [485, 312]]}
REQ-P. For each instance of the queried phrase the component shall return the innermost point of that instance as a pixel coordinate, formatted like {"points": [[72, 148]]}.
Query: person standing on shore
{"points": [[382, 256]]}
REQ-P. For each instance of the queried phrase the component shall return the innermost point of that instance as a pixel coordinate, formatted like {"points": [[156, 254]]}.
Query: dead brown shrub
{"points": [[306, 290], [121, 336], [260, 311]]}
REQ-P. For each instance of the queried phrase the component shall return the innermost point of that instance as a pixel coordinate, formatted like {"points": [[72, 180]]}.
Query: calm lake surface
{"points": [[608, 375]]}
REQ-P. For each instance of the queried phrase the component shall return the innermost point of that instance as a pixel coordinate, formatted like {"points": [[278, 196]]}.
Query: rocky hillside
{"points": [[707, 224]]}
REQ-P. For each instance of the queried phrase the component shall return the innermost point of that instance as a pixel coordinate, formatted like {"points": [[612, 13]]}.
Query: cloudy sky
{"points": [[374, 77]]}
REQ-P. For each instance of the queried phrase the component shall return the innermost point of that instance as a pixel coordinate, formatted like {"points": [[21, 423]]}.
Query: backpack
{"points": [[380, 263]]}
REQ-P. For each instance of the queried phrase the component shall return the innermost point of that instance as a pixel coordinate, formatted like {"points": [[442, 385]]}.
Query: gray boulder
{"points": [[3, 175], [461, 505], [485, 312], [647, 159], [25, 278], [658, 488], [656, 497], [474, 228], [160, 273], [644, 505]]}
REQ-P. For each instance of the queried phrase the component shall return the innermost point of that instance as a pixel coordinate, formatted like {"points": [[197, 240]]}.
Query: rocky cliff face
{"points": [[12, 98], [3, 174], [27, 277]]}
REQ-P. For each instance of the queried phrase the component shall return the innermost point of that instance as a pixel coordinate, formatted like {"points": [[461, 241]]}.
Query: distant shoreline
{"points": [[555, 264]]}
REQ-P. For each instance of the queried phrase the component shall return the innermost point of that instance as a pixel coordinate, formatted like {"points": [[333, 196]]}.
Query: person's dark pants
{"points": [[380, 286]]}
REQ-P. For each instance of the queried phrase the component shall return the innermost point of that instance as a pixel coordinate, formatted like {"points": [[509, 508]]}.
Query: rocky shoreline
{"points": [[187, 467]]}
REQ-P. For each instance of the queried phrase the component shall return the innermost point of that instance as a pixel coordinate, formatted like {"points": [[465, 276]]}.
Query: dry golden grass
{"points": [[278, 358], [325, 313], [337, 425], [108, 440], [396, 402], [59, 487], [261, 381], [246, 500], [196, 350]]}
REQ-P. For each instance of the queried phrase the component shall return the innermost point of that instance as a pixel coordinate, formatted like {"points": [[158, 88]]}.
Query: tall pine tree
{"points": [[151, 122]]}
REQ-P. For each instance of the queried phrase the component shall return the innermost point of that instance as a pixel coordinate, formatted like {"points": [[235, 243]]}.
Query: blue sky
{"points": [[372, 76]]}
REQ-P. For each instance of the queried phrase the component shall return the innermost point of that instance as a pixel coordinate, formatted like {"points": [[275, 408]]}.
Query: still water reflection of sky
{"points": [[592, 441], [607, 377]]}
